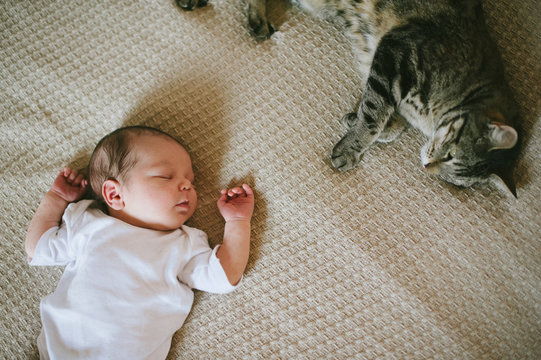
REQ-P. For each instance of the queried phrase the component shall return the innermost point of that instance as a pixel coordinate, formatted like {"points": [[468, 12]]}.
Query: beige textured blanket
{"points": [[380, 262]]}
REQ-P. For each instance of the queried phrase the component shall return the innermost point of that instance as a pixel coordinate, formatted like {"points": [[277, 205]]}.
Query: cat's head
{"points": [[472, 148]]}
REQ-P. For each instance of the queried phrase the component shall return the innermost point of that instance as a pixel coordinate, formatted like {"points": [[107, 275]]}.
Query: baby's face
{"points": [[158, 192]]}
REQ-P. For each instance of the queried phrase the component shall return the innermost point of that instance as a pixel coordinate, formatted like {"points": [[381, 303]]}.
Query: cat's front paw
{"points": [[259, 27], [191, 4], [349, 120], [347, 153], [258, 23]]}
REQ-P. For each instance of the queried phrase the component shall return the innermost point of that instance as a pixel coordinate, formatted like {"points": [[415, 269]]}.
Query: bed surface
{"points": [[380, 262]]}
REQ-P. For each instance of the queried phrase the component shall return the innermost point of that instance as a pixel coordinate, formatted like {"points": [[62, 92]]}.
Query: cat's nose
{"points": [[431, 168], [428, 167]]}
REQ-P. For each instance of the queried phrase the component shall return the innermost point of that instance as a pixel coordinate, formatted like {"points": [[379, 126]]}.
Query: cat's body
{"points": [[429, 63]]}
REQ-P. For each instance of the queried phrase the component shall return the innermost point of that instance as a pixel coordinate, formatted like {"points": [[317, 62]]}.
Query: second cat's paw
{"points": [[260, 28], [191, 4]]}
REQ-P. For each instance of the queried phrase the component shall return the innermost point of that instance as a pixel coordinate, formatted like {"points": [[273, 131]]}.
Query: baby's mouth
{"points": [[183, 204]]}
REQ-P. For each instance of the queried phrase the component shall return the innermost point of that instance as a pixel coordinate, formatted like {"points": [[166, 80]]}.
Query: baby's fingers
{"points": [[235, 191], [247, 190], [74, 178], [69, 174], [79, 180]]}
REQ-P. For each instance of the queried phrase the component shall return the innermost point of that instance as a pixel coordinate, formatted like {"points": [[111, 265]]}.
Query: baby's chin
{"points": [[168, 226]]}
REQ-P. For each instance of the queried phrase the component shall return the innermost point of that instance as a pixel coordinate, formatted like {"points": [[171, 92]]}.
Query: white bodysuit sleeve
{"points": [[55, 245], [204, 271], [52, 248]]}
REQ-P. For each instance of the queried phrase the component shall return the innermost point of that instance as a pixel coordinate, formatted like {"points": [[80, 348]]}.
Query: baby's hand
{"points": [[69, 185], [236, 203]]}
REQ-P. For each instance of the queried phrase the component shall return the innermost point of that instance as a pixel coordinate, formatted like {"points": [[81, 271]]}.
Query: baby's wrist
{"points": [[238, 220], [55, 197]]}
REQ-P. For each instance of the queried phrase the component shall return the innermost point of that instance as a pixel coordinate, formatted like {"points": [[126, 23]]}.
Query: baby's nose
{"points": [[185, 185]]}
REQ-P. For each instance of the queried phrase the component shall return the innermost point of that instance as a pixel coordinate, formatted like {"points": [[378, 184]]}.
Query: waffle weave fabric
{"points": [[380, 262]]}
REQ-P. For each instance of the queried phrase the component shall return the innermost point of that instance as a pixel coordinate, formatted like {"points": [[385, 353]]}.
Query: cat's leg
{"points": [[362, 34], [364, 54], [364, 128], [191, 4], [377, 106], [257, 19], [392, 76], [393, 129]]}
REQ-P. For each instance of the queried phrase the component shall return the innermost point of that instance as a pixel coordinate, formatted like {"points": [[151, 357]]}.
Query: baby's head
{"points": [[145, 177]]}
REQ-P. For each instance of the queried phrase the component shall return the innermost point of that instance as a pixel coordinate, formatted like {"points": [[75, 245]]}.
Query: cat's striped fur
{"points": [[431, 64]]}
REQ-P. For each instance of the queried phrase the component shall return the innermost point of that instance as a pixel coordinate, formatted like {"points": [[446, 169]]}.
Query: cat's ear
{"points": [[501, 136], [503, 178]]}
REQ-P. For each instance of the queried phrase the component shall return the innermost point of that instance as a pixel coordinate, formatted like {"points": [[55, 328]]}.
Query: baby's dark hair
{"points": [[112, 157]]}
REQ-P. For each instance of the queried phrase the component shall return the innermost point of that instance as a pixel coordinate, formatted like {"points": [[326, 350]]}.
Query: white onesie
{"points": [[125, 290]]}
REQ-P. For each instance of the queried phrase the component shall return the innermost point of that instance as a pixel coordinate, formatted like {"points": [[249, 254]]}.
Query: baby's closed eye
{"points": [[163, 176]]}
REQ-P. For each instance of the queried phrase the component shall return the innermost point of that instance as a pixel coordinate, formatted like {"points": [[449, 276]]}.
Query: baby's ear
{"points": [[110, 191]]}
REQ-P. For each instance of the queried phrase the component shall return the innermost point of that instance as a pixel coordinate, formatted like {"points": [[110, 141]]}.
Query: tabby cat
{"points": [[431, 64]]}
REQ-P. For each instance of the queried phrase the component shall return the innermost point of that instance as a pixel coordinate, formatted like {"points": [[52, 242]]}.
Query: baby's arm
{"points": [[236, 206], [68, 186]]}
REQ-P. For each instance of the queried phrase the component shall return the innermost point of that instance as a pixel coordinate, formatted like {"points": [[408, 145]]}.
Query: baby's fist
{"points": [[69, 185], [236, 203]]}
